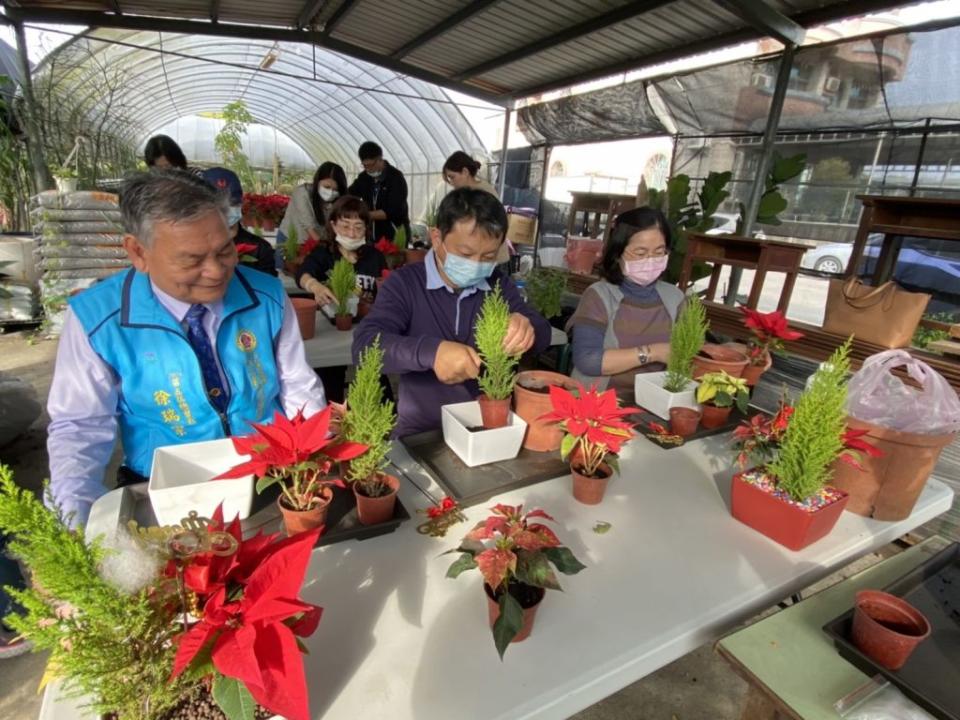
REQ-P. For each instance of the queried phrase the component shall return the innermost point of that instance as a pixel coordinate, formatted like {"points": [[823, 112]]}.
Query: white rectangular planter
{"points": [[181, 481], [482, 446], [650, 395]]}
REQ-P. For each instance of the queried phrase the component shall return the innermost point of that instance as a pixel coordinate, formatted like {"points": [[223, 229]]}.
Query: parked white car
{"points": [[832, 258]]}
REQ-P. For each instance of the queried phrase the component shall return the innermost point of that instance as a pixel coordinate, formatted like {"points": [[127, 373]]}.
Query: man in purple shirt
{"points": [[425, 312]]}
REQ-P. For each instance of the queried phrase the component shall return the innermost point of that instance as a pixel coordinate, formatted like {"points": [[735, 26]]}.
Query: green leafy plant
{"points": [[343, 284], [687, 337], [511, 551], [291, 246], [369, 420], [499, 368], [63, 172], [431, 214], [545, 288], [815, 435], [400, 237], [229, 141], [723, 390], [772, 202], [924, 335]]}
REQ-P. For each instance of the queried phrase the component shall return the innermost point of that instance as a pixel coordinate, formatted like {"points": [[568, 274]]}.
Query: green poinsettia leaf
{"points": [[508, 624], [563, 560], [601, 527], [233, 698], [567, 445], [461, 564], [266, 481], [535, 569]]}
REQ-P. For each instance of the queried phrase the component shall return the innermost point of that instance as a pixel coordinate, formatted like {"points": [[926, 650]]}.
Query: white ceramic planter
{"points": [[66, 185], [181, 481], [650, 395], [482, 446]]}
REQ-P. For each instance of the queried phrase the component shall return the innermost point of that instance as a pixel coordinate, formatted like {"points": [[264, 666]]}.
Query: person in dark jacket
{"points": [[384, 189], [254, 251]]}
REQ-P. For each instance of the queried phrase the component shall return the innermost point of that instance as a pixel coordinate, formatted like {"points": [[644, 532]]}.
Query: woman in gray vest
{"points": [[623, 322]]}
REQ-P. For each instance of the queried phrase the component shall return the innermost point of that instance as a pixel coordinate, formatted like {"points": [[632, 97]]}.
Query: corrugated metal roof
{"points": [[496, 49]]}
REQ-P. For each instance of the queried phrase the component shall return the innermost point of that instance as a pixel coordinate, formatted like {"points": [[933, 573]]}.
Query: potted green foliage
{"points": [[369, 419], [657, 392], [517, 556], [787, 497], [545, 288], [499, 368], [65, 178], [343, 285], [719, 392]]}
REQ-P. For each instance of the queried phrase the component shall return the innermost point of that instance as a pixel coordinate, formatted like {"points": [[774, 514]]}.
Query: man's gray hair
{"points": [[166, 196]]}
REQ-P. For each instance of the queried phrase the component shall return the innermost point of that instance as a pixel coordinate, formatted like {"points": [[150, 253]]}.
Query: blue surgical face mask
{"points": [[374, 174], [465, 273], [234, 215]]}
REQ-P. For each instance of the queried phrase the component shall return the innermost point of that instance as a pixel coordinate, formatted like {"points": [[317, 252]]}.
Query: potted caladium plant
{"points": [[786, 496], [343, 285], [517, 555], [297, 454], [595, 431], [719, 392], [368, 420], [657, 392], [770, 330], [499, 372]]}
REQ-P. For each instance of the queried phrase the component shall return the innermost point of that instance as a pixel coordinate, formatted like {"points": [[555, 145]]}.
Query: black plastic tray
{"points": [[644, 418], [472, 485], [931, 677]]}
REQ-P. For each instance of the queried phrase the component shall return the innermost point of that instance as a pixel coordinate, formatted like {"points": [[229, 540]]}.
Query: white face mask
{"points": [[327, 195], [348, 243]]}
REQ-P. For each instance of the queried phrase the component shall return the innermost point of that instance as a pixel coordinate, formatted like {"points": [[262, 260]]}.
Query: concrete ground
{"points": [[698, 686]]}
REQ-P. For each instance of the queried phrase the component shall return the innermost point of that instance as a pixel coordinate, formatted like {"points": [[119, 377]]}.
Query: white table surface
{"points": [[331, 347], [399, 640]]}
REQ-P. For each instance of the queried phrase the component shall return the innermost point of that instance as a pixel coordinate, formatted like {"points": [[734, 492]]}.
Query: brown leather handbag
{"points": [[886, 316]]}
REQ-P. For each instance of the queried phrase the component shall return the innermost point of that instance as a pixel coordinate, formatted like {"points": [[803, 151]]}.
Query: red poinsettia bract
{"points": [[769, 330], [855, 447], [511, 530], [386, 247]]}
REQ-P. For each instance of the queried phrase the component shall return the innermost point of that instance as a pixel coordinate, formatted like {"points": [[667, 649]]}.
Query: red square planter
{"points": [[783, 522]]}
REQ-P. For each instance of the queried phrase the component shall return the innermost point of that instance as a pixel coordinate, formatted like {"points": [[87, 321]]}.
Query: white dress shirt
{"points": [[84, 396]]}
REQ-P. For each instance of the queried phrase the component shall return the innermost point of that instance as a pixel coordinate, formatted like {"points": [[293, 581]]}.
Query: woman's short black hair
{"points": [[626, 225], [472, 204], [326, 170], [164, 146], [370, 151], [460, 161], [350, 206]]}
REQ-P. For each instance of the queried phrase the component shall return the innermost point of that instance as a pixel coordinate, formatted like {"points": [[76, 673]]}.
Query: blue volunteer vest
{"points": [[162, 398]]}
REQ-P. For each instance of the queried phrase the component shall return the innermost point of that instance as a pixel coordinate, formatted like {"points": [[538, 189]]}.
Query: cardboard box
{"points": [[521, 230]]}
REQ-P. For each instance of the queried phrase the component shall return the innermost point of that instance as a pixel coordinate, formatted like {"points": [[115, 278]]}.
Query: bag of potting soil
{"points": [[112, 239], [93, 267], [82, 200], [82, 251], [48, 230], [70, 215], [876, 395]]}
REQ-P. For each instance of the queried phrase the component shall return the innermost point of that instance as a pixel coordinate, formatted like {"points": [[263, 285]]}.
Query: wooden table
{"points": [[400, 640], [792, 667], [763, 256], [591, 213]]}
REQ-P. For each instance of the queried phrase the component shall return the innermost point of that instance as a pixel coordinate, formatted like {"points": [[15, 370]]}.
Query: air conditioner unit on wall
{"points": [[832, 85], [760, 80]]}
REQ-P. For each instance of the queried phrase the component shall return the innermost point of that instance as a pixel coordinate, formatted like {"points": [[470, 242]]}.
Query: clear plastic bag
{"points": [[877, 396], [879, 700]]}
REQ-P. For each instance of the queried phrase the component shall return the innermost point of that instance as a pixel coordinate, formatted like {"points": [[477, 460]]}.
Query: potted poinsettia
{"points": [[368, 420], [517, 556], [770, 330], [499, 373], [296, 454], [595, 431], [657, 392], [786, 496], [343, 285], [719, 393]]}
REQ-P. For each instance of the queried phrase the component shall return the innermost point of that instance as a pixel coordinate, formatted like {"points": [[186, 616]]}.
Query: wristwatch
{"points": [[643, 355]]}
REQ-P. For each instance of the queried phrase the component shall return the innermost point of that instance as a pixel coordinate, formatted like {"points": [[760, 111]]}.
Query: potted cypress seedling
{"points": [[343, 285], [657, 392], [719, 392], [788, 498], [369, 419], [514, 553], [499, 372]]}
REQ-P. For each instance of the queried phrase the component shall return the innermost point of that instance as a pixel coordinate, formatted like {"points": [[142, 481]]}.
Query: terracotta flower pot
{"points": [[714, 358], [714, 417], [297, 521], [886, 628], [888, 486], [781, 521], [414, 255], [363, 309], [582, 261], [306, 309], [684, 421], [291, 267], [375, 510], [752, 373], [344, 322], [494, 412], [530, 404], [590, 490], [529, 598]]}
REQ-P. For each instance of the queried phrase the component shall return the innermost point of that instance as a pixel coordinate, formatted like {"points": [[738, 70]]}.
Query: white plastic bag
{"points": [[877, 396]]}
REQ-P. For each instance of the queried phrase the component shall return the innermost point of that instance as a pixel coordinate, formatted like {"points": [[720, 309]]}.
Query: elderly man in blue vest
{"points": [[183, 347]]}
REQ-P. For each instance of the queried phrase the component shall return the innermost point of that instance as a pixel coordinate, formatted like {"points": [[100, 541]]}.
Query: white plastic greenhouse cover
{"points": [[350, 101]]}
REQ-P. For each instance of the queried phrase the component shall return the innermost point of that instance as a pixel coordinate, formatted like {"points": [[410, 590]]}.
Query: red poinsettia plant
{"points": [[245, 618], [595, 426], [295, 453], [770, 330], [264, 208], [387, 247], [517, 556]]}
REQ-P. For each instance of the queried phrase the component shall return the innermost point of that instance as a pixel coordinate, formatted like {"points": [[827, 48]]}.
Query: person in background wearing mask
{"points": [[162, 151], [460, 170], [384, 189], [623, 322], [254, 251], [310, 205], [426, 311]]}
